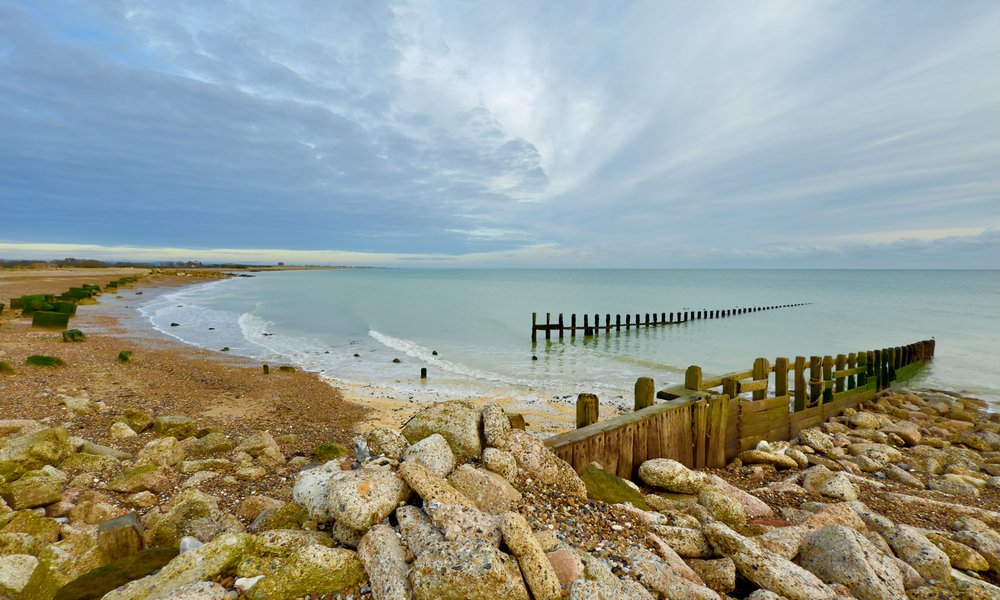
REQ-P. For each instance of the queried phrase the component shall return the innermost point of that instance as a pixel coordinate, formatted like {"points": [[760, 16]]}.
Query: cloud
{"points": [[645, 133]]}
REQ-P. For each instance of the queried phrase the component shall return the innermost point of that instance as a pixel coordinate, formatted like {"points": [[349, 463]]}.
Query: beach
{"points": [[278, 484]]}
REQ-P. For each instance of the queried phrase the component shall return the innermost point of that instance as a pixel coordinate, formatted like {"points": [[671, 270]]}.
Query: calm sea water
{"points": [[479, 324]]}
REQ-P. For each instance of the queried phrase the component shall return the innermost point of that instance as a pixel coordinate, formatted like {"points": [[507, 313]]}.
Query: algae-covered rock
{"points": [[33, 451], [460, 423], [195, 514], [209, 444], [144, 477], [15, 572], [610, 488], [219, 556], [42, 529], [34, 488], [177, 426], [329, 451], [164, 451], [263, 447], [137, 420], [312, 569]]}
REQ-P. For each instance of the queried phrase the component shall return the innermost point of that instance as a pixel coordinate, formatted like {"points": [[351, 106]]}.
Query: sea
{"points": [[471, 329]]}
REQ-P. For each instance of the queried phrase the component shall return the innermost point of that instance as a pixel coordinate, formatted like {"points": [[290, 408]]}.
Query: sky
{"points": [[828, 134]]}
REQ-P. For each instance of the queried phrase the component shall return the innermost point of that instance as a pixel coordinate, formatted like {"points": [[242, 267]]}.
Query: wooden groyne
{"points": [[588, 328], [710, 419]]}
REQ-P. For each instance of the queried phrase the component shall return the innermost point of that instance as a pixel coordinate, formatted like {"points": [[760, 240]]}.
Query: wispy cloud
{"points": [[652, 133]]}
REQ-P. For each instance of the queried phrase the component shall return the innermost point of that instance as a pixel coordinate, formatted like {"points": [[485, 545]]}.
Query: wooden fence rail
{"points": [[708, 421], [641, 320]]}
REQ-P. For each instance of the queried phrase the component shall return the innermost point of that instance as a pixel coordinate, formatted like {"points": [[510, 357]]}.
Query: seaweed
{"points": [[124, 356], [64, 307], [39, 360], [73, 335], [6, 368]]}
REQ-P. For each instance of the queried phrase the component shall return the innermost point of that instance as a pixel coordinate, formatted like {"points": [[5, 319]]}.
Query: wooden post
{"points": [[586, 324], [644, 393], [730, 386], [800, 383], [597, 324], [647, 319], [423, 372], [780, 377], [534, 327], [692, 378], [862, 369], [663, 317], [877, 365], [548, 326], [561, 326], [841, 365], [638, 321], [607, 322], [587, 410], [852, 363], [618, 322], [827, 379], [760, 371], [266, 369], [671, 317], [572, 325], [815, 379], [718, 420], [654, 319], [628, 321]]}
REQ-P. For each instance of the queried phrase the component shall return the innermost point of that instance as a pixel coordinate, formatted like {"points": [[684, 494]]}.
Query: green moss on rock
{"points": [[609, 488], [38, 360]]}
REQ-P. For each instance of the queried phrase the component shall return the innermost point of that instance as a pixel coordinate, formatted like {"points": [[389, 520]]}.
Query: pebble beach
{"points": [[182, 473]]}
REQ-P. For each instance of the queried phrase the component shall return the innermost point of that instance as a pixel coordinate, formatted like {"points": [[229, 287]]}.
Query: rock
{"points": [[15, 572], [250, 472], [33, 451], [566, 564], [458, 422], [538, 572], [384, 560], [431, 487], [487, 490], [767, 570], [385, 442], [817, 440], [753, 457], [361, 498], [839, 487], [144, 477], [467, 570], [137, 420], [864, 420], [263, 448], [120, 431], [220, 555], [311, 490], [723, 506], [120, 537], [458, 523], [688, 543], [206, 464], [496, 426], [164, 451], [905, 477], [841, 555], [840, 513], [959, 555], [540, 463], [908, 431], [916, 550], [500, 462], [798, 456], [953, 487], [672, 476], [432, 452], [610, 488], [783, 541], [754, 507], [195, 514], [209, 444], [415, 527], [101, 580], [657, 577], [312, 569], [251, 507], [43, 530], [980, 537], [202, 590], [718, 574], [326, 451], [179, 427], [34, 488]]}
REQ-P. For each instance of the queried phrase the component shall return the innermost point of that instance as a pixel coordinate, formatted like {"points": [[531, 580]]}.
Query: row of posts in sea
{"points": [[650, 320]]}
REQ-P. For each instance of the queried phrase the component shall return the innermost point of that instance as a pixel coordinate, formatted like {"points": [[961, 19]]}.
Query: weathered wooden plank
{"points": [[639, 436], [625, 451], [699, 424], [753, 386], [718, 418], [752, 406]]}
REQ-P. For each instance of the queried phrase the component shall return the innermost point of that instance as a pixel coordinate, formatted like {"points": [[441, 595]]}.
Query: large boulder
{"points": [[767, 570], [263, 447], [384, 560], [311, 490], [917, 551], [385, 442], [487, 490], [432, 488], [466, 570], [177, 426], [540, 463], [535, 566], [670, 475], [841, 555], [658, 577], [432, 452], [15, 573], [460, 423], [314, 569], [165, 451], [496, 425], [193, 514], [359, 499], [33, 451], [34, 488], [723, 506]]}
